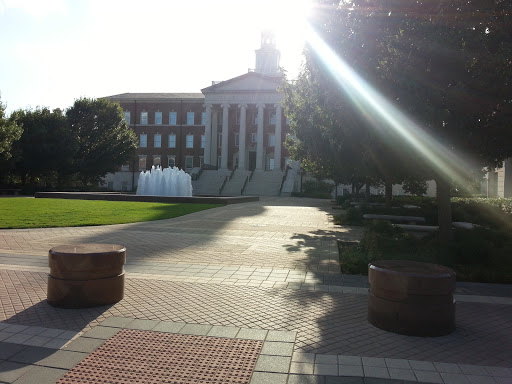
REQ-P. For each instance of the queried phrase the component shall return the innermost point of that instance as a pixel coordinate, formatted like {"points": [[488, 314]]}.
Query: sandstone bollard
{"points": [[86, 275], [411, 298]]}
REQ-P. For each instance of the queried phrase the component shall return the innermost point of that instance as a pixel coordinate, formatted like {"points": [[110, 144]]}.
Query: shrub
{"points": [[480, 255], [352, 216]]}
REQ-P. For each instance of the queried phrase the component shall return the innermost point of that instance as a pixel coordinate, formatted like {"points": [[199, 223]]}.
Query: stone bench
{"points": [[418, 228], [395, 218], [411, 298], [86, 275]]}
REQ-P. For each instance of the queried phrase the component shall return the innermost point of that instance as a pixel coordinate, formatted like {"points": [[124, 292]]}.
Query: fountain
{"points": [[167, 182]]}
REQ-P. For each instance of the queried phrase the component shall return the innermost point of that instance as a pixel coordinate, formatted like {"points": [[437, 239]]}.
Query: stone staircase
{"points": [[209, 182], [264, 183], [234, 186]]}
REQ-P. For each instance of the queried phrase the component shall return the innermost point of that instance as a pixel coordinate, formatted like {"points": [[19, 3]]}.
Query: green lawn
{"points": [[41, 213]]}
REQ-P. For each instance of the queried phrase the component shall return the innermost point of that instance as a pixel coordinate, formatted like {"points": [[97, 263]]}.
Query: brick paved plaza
{"points": [[265, 271]]}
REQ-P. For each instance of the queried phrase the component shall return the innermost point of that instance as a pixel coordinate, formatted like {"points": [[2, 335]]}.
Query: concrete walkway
{"points": [[265, 271]]}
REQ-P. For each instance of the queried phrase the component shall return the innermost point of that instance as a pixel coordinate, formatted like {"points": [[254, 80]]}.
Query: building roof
{"points": [[251, 81], [156, 96]]}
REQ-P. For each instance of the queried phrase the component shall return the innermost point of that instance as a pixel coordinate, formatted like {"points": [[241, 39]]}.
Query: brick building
{"points": [[237, 124]]}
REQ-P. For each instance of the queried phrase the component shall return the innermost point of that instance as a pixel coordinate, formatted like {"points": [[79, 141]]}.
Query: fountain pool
{"points": [[164, 182]]}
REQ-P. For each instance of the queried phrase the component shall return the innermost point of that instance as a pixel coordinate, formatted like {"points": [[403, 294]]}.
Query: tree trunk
{"points": [[388, 186], [367, 192], [358, 188], [444, 211], [353, 189]]}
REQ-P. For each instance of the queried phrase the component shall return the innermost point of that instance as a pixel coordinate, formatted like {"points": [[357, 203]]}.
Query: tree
{"points": [[10, 132], [46, 148], [104, 140], [444, 69]]}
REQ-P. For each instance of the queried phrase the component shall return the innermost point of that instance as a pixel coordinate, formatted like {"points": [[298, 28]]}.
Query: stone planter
{"points": [[411, 298], [86, 275]]}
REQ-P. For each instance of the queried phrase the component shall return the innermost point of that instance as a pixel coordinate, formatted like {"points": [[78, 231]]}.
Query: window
{"points": [[190, 118], [157, 140], [189, 162], [143, 118], [271, 164], [189, 141], [125, 167], [237, 120], [201, 161], [236, 161], [271, 140], [158, 117], [203, 118], [172, 118], [142, 163], [219, 161], [143, 142], [254, 138], [172, 140], [237, 139], [203, 141], [127, 117], [219, 140], [272, 118], [157, 160], [255, 118], [171, 161]]}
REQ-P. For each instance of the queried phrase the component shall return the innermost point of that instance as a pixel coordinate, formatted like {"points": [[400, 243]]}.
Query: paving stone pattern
{"points": [[266, 271], [327, 323]]}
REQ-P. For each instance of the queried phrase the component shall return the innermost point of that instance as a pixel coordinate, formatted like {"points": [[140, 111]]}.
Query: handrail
{"points": [[196, 176], [252, 173], [283, 179], [232, 173], [223, 185], [245, 185]]}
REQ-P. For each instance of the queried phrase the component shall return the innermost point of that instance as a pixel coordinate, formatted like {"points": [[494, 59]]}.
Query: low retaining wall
{"points": [[148, 199]]}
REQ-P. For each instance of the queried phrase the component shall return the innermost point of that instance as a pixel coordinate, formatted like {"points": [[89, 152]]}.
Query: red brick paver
{"points": [[133, 356], [331, 323]]}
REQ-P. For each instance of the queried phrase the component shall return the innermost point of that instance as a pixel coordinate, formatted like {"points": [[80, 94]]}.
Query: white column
{"points": [[260, 163], [208, 135], [277, 148], [215, 123], [241, 138], [224, 151]]}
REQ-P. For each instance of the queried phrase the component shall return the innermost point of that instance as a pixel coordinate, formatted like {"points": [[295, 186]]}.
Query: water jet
{"points": [[164, 182]]}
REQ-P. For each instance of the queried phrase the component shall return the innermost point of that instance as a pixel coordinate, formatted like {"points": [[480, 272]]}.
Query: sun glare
{"points": [[288, 19], [371, 103]]}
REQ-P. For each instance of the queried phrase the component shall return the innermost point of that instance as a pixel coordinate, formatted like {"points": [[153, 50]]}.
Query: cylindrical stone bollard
{"points": [[411, 298], [86, 275]]}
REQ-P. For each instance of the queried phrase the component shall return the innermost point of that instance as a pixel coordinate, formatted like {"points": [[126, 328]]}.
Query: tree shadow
{"points": [[43, 314], [167, 241]]}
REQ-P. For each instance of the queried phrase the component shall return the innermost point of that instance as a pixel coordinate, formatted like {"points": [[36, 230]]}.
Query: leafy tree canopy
{"points": [[10, 132], [444, 69], [104, 140]]}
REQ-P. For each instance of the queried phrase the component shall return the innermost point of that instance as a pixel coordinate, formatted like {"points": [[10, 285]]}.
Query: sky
{"points": [[55, 51]]}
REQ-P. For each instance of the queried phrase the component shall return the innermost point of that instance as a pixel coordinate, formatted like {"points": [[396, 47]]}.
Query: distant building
{"points": [[499, 182], [233, 124]]}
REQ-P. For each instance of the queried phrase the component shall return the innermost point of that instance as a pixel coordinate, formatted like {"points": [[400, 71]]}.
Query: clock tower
{"points": [[267, 57]]}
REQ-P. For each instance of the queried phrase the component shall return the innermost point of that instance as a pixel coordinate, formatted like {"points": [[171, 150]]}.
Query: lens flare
{"points": [[441, 158]]}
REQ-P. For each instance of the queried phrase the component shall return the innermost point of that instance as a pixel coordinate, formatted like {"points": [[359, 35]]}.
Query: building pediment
{"points": [[250, 82]]}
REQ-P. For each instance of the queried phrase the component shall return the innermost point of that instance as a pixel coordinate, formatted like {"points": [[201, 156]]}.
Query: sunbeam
{"points": [[440, 157]]}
